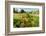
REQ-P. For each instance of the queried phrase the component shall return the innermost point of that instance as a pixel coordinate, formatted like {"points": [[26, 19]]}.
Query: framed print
{"points": [[24, 17]]}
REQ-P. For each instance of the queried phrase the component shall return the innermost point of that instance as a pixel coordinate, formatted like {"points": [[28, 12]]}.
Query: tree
{"points": [[22, 11], [15, 11]]}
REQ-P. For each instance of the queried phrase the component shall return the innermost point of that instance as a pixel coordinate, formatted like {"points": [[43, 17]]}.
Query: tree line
{"points": [[22, 11], [15, 11]]}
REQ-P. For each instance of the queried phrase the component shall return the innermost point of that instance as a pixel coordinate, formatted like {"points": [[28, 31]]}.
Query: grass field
{"points": [[25, 20]]}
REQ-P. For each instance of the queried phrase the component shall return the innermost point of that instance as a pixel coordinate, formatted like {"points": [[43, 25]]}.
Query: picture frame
{"points": [[9, 21]]}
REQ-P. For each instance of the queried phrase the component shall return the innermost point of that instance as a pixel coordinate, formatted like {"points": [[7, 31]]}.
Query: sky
{"points": [[26, 9]]}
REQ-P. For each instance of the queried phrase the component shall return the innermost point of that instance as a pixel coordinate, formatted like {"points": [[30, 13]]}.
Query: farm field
{"points": [[25, 20]]}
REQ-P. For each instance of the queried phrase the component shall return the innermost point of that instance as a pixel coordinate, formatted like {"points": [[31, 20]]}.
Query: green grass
{"points": [[25, 20]]}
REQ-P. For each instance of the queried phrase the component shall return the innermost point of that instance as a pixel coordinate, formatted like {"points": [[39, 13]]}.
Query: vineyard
{"points": [[25, 20]]}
